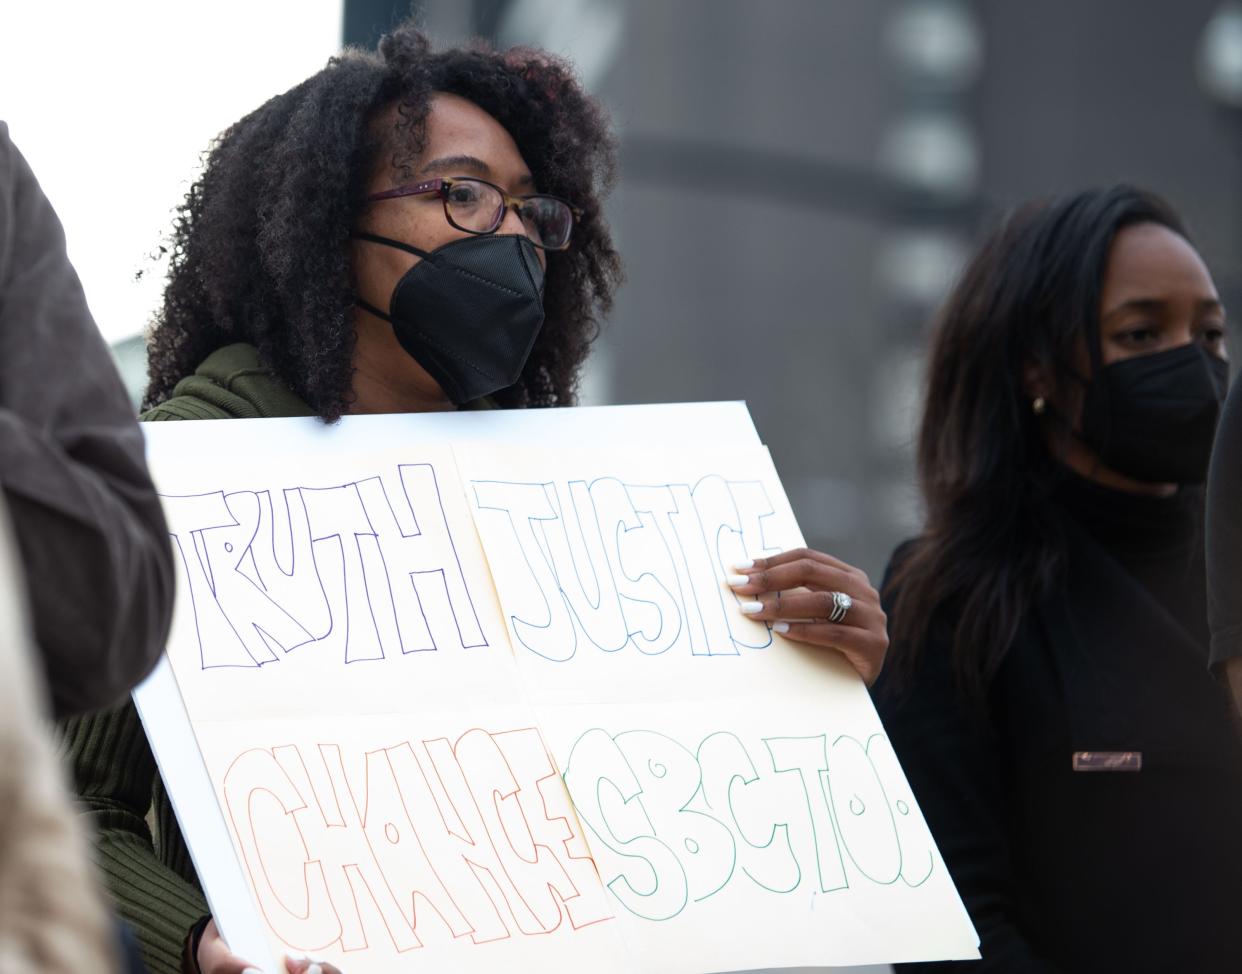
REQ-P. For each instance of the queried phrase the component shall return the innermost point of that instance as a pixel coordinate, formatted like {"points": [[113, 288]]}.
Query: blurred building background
{"points": [[801, 180]]}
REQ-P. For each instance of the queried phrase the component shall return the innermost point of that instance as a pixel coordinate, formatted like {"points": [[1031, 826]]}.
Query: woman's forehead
{"points": [[458, 134], [1150, 260]]}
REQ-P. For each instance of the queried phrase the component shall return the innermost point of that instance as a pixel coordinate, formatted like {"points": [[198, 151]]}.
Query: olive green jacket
{"points": [[138, 844]]}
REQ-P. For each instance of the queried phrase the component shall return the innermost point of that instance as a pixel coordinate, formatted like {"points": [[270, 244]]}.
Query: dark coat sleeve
{"points": [[1224, 533], [89, 527], [951, 757]]}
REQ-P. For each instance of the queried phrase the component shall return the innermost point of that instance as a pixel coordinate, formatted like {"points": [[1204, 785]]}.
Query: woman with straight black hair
{"points": [[1047, 689]]}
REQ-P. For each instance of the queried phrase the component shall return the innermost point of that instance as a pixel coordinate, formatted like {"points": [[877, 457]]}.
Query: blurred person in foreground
{"points": [[407, 231], [94, 554], [89, 528], [1047, 691], [52, 917], [1224, 545]]}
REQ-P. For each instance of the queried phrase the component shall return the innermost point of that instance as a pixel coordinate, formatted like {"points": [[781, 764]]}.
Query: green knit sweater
{"points": [[138, 845]]}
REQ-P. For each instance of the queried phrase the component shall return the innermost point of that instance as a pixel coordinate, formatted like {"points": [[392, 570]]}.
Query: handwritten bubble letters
{"points": [[672, 827], [621, 564], [362, 570], [417, 843]]}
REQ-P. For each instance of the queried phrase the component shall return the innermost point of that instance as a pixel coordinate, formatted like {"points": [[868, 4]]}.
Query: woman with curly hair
{"points": [[405, 231], [373, 240]]}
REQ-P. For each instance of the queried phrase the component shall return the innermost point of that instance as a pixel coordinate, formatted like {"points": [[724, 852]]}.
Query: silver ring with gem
{"points": [[841, 605]]}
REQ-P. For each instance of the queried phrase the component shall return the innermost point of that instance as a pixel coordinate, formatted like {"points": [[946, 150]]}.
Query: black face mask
{"points": [[1153, 417], [468, 312]]}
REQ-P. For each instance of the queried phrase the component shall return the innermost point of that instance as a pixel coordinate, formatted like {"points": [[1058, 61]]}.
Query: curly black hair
{"points": [[259, 248]]}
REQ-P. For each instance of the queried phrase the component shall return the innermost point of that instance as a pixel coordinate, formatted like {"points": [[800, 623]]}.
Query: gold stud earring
{"points": [[1039, 405]]}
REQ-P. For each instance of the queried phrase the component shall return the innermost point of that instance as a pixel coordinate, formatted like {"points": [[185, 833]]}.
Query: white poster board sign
{"points": [[398, 639]]}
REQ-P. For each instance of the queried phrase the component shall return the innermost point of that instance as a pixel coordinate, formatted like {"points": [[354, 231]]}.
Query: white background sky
{"points": [[112, 104]]}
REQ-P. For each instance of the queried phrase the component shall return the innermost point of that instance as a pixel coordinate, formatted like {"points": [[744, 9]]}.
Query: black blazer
{"points": [[1099, 871]]}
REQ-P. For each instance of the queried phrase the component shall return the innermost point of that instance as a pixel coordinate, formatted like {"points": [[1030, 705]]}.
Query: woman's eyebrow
{"points": [[447, 164], [1158, 304], [1136, 304]]}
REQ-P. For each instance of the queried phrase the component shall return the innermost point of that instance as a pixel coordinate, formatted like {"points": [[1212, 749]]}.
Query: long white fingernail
{"points": [[735, 580], [750, 608], [781, 627], [744, 566]]}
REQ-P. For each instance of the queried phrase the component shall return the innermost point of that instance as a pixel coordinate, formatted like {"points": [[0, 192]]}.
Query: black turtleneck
{"points": [[1157, 540], [1133, 867]]}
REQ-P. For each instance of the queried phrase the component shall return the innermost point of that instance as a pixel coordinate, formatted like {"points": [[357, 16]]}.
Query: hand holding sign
{"points": [[214, 957], [796, 590]]}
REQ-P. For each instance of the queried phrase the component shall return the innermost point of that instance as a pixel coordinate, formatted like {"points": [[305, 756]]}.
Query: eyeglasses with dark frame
{"points": [[477, 206]]}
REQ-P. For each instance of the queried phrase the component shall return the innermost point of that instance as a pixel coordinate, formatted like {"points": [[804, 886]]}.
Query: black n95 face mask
{"points": [[1153, 417], [468, 312]]}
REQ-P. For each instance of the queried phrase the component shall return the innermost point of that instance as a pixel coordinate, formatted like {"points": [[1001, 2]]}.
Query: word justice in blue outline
{"points": [[362, 570], [622, 564], [815, 815]]}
